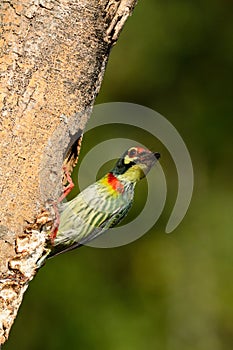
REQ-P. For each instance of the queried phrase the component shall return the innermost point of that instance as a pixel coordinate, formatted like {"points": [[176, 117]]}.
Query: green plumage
{"points": [[89, 214], [103, 204]]}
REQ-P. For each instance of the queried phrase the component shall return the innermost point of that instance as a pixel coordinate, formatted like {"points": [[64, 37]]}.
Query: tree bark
{"points": [[53, 57]]}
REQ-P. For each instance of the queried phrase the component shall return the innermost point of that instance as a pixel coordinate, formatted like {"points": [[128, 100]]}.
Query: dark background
{"points": [[166, 292]]}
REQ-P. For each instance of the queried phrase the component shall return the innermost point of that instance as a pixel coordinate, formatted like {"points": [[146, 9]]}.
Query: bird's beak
{"points": [[157, 155], [151, 158]]}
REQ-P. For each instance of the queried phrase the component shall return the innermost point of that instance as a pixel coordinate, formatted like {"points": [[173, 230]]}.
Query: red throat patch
{"points": [[115, 183]]}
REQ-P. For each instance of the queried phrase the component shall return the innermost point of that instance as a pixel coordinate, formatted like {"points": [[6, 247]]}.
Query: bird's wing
{"points": [[110, 221]]}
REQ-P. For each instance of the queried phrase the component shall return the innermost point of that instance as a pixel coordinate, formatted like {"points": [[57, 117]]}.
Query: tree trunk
{"points": [[53, 57]]}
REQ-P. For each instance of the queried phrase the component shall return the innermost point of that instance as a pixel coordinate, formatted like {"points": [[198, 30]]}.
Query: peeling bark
{"points": [[53, 57]]}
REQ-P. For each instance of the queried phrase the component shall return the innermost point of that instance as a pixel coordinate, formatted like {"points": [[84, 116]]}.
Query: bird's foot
{"points": [[67, 190], [69, 187], [54, 229]]}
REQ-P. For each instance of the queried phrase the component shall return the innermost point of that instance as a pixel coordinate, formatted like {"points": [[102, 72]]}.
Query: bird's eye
{"points": [[132, 153]]}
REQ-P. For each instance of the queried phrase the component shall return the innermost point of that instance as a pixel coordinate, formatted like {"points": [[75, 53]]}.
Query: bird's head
{"points": [[134, 164]]}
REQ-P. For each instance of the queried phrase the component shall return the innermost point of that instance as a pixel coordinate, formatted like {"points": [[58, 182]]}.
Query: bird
{"points": [[103, 204]]}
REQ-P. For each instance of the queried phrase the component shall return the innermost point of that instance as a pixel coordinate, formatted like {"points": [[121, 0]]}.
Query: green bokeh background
{"points": [[165, 292]]}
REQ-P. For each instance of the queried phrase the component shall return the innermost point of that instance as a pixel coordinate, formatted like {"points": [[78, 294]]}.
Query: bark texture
{"points": [[53, 55]]}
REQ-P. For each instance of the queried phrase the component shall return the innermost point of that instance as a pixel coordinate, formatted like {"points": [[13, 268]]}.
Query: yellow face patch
{"points": [[131, 158], [127, 159]]}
